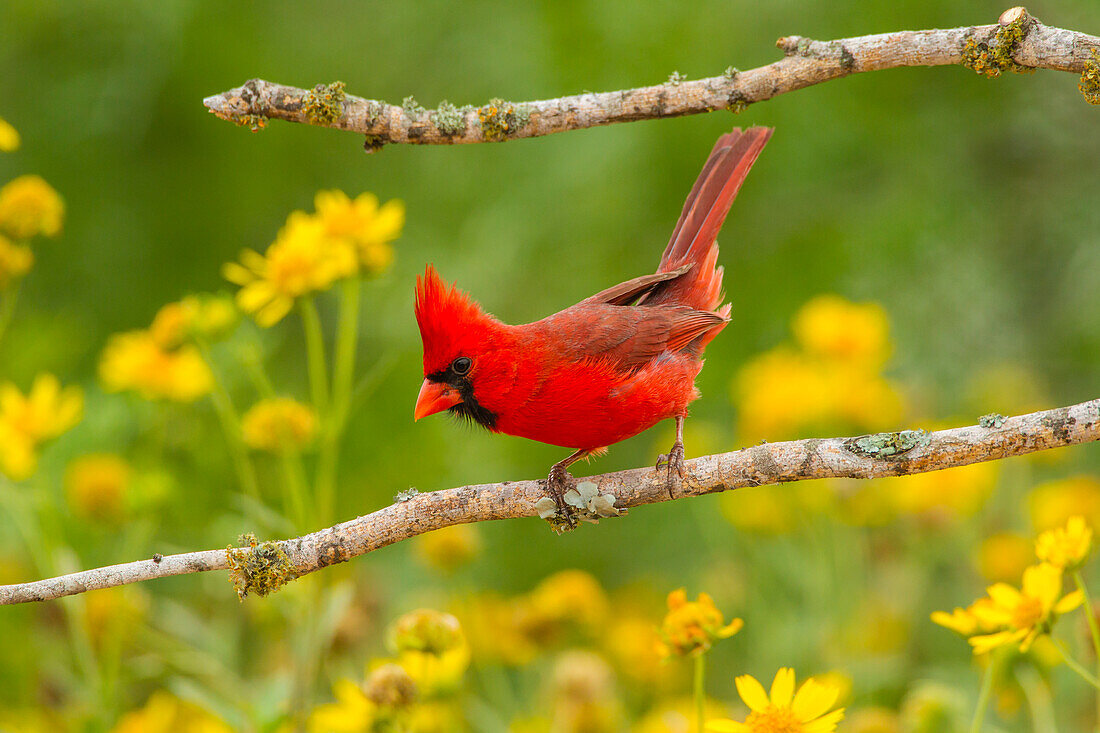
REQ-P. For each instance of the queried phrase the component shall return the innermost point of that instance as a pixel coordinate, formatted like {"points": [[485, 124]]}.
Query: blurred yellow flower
{"points": [[15, 261], [1065, 547], [26, 422], [633, 643], [957, 492], [584, 694], [873, 720], [96, 486], [390, 686], [1022, 615], [279, 424], [113, 614], [831, 327], [692, 627], [165, 713], [782, 393], [498, 629], [426, 630], [449, 548], [784, 710], [353, 712], [9, 137], [1054, 502], [136, 361], [206, 316], [570, 595], [1002, 557], [28, 207], [302, 260], [362, 222], [775, 509]]}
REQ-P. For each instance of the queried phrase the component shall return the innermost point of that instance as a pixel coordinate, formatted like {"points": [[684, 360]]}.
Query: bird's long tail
{"points": [[693, 239]]}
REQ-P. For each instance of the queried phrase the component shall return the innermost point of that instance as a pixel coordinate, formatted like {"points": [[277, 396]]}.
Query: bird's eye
{"points": [[461, 365]]}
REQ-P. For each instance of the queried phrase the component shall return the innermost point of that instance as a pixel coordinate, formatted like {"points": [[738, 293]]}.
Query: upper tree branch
{"points": [[885, 454], [1017, 42]]}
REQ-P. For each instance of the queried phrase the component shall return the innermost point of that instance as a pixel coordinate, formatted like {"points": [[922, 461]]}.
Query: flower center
{"points": [[773, 720], [1027, 613]]}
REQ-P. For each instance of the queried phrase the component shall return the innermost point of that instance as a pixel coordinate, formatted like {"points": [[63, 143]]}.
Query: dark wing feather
{"points": [[627, 292]]}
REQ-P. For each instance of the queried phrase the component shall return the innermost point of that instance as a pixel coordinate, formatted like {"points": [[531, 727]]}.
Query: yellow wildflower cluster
{"points": [[279, 425], [342, 239], [782, 710], [28, 207], [565, 605], [160, 362], [1019, 616], [28, 421], [692, 627], [1051, 504], [409, 693], [831, 378], [96, 486]]}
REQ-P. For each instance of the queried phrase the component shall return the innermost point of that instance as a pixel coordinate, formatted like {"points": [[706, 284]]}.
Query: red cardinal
{"points": [[606, 368]]}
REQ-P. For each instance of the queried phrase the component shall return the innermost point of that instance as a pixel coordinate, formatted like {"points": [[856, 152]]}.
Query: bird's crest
{"points": [[451, 323]]}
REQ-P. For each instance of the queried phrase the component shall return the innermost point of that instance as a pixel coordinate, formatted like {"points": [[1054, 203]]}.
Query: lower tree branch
{"points": [[261, 568], [1017, 42]]}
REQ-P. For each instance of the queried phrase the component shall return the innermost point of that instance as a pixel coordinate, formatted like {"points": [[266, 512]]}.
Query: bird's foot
{"points": [[557, 483], [674, 460]]}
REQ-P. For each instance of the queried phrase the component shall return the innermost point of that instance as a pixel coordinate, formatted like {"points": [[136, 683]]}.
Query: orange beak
{"points": [[435, 397]]}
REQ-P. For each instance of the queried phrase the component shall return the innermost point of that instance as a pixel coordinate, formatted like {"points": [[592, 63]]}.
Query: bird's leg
{"points": [[674, 459], [559, 481]]}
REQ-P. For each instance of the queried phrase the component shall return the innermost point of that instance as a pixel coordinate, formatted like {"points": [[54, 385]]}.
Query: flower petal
{"points": [[813, 700], [1070, 602], [783, 687], [826, 724], [752, 692], [725, 725]]}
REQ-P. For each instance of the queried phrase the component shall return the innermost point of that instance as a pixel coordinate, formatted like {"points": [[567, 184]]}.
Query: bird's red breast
{"points": [[612, 365]]}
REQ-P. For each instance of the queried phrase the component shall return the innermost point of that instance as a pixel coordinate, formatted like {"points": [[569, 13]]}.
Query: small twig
{"points": [[1016, 42], [884, 454]]}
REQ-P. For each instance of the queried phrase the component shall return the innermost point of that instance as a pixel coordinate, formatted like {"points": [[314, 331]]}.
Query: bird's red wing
{"points": [[631, 337], [627, 292]]}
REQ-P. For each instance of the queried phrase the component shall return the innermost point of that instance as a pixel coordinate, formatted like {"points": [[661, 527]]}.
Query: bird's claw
{"points": [[557, 483], [674, 460]]}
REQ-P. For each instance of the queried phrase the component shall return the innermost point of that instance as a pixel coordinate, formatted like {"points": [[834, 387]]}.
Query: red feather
{"points": [[612, 365]]}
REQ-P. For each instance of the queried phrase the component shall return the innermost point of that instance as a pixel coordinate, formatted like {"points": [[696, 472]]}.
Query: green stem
{"points": [[315, 354], [1078, 667], [347, 339], [699, 691], [294, 488], [231, 426], [1037, 694], [984, 694], [1094, 629], [7, 308]]}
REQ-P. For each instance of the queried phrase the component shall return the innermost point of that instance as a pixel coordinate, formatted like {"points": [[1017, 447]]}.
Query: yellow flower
{"points": [[303, 260], [352, 712], [584, 694], [1054, 502], [279, 424], [677, 716], [1003, 556], [9, 137], [784, 710], [166, 713], [1022, 615], [15, 261], [692, 627], [426, 630], [1065, 547], [136, 361], [29, 206], [570, 595], [96, 486], [449, 548], [956, 492], [367, 226], [832, 327], [26, 422], [209, 317]]}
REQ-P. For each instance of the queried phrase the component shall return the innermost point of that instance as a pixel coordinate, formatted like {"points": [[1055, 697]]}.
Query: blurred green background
{"points": [[965, 207]]}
